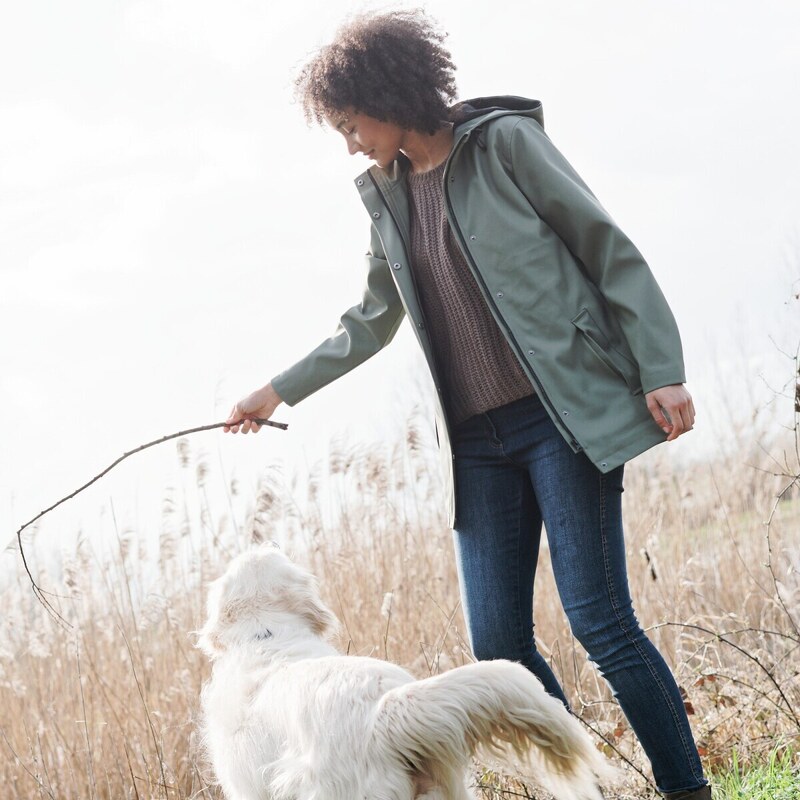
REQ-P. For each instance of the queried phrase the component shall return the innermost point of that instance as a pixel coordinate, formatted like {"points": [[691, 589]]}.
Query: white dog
{"points": [[288, 717]]}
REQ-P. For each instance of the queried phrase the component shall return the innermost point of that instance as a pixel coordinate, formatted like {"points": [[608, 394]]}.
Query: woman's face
{"points": [[379, 141]]}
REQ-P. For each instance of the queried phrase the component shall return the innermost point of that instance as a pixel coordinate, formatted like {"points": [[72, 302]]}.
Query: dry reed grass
{"points": [[109, 708]]}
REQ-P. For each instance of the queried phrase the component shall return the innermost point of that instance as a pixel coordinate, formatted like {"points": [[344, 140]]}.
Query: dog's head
{"points": [[261, 593]]}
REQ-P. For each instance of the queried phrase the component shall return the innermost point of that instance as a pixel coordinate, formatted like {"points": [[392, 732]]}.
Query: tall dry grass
{"points": [[108, 708]]}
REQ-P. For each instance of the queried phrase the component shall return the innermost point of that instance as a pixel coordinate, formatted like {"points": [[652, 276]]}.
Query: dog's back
{"points": [[297, 729]]}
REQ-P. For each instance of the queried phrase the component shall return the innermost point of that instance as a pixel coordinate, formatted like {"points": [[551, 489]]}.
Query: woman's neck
{"points": [[426, 151]]}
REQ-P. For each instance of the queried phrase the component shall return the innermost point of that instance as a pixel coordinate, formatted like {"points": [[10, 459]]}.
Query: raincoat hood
{"points": [[467, 114]]}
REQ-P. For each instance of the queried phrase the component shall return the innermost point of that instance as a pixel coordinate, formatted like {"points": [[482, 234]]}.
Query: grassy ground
{"points": [[108, 707], [776, 778]]}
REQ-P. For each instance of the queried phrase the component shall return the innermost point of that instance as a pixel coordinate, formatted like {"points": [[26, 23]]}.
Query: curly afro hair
{"points": [[390, 66]]}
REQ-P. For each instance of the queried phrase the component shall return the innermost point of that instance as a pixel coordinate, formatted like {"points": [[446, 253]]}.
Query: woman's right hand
{"points": [[261, 404]]}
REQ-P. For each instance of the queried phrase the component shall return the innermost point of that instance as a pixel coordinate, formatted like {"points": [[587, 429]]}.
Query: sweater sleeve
{"points": [[363, 330], [611, 261]]}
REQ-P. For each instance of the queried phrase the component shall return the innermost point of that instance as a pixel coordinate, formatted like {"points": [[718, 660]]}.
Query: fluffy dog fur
{"points": [[287, 717]]}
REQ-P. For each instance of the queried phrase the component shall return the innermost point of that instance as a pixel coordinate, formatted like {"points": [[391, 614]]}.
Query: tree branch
{"points": [[38, 591]]}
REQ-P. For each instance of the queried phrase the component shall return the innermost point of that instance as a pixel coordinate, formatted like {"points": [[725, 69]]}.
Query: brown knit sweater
{"points": [[476, 363]]}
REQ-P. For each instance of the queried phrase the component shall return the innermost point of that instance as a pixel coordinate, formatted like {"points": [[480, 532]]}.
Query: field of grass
{"points": [[107, 708]]}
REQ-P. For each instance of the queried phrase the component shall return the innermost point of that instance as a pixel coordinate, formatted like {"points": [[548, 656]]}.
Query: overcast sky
{"points": [[172, 234]]}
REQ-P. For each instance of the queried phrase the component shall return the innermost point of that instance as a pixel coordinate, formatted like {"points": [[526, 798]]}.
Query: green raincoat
{"points": [[573, 296]]}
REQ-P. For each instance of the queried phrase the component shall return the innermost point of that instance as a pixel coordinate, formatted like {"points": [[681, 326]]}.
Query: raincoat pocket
{"points": [[600, 344]]}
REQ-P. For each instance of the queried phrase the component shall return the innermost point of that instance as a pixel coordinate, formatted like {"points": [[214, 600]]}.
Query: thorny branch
{"points": [[606, 741], [793, 479], [37, 590], [721, 637]]}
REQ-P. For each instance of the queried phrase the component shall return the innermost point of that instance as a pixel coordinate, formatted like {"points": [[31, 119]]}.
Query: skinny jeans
{"points": [[514, 471]]}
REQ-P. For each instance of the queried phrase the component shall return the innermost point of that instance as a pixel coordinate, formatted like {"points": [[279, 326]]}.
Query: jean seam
{"points": [[642, 654], [493, 437], [517, 608]]}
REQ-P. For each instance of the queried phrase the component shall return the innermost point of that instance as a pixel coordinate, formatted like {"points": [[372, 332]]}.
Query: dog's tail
{"points": [[495, 708]]}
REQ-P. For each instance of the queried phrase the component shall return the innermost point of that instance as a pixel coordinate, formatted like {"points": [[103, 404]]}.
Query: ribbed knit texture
{"points": [[477, 365]]}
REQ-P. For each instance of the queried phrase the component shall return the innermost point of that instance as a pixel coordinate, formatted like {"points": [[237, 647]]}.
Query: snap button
{"points": [[396, 266], [603, 463], [531, 352], [565, 413], [360, 182], [376, 214], [420, 325], [473, 238], [499, 294]]}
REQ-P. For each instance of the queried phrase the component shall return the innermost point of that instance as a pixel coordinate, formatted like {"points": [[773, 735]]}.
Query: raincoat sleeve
{"points": [[612, 262], [362, 331]]}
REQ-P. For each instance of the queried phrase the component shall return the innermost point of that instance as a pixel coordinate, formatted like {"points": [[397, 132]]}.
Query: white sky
{"points": [[172, 234]]}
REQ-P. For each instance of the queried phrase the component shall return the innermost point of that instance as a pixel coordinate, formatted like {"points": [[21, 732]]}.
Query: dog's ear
{"points": [[319, 617], [303, 600], [209, 640]]}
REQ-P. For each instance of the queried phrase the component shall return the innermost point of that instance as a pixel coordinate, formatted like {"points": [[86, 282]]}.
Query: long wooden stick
{"points": [[38, 591]]}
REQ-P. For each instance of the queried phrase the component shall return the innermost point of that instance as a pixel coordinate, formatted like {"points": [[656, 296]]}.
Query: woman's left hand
{"points": [[672, 409]]}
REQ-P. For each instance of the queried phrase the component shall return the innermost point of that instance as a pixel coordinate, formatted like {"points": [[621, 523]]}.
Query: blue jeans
{"points": [[514, 471]]}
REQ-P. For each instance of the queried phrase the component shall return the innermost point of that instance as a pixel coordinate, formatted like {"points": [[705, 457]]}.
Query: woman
{"points": [[554, 354]]}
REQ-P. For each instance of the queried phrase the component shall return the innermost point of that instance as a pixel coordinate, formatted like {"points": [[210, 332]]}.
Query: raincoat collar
{"points": [[467, 116]]}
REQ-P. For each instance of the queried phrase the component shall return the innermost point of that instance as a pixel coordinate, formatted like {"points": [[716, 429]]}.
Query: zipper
{"points": [[487, 295], [406, 245]]}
